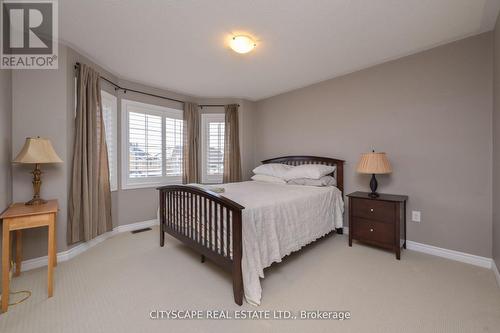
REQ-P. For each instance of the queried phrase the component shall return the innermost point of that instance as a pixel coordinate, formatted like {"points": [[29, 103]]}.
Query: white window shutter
{"points": [[145, 145], [173, 146], [212, 148], [152, 145]]}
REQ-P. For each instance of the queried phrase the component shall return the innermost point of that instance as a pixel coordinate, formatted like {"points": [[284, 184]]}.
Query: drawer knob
{"points": [[371, 209], [371, 229]]}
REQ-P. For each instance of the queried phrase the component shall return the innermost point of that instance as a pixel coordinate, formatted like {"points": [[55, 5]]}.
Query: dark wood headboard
{"points": [[299, 160]]}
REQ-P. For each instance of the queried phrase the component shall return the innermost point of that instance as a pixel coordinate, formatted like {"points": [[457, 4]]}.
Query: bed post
{"points": [[162, 217], [237, 254], [340, 177], [340, 184]]}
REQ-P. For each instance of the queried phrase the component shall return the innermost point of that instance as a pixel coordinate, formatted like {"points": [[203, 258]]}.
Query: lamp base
{"points": [[37, 184], [373, 187], [35, 201]]}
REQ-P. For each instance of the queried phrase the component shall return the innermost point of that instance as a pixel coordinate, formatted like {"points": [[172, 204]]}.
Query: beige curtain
{"points": [[232, 158], [190, 163], [89, 209]]}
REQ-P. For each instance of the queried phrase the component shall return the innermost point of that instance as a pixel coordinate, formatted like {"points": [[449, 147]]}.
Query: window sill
{"points": [[148, 185]]}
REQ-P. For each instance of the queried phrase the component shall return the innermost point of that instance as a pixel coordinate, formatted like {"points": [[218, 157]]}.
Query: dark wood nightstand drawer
{"points": [[370, 230], [382, 211]]}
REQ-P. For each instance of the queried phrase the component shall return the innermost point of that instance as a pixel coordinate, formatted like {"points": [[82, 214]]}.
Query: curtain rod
{"points": [[117, 87]]}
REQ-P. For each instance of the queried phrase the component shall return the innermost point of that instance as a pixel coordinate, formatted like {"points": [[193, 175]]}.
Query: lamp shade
{"points": [[374, 163], [37, 151]]}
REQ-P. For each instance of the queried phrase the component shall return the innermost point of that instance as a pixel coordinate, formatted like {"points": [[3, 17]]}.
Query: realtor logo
{"points": [[29, 34]]}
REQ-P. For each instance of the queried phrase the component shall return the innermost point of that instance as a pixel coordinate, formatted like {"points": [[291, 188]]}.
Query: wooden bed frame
{"points": [[181, 206]]}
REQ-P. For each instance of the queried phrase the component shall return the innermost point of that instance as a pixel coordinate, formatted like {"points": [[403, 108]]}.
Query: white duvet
{"points": [[279, 219]]}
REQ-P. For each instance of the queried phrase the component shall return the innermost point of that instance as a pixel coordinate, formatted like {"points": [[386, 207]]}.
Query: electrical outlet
{"points": [[415, 216]]}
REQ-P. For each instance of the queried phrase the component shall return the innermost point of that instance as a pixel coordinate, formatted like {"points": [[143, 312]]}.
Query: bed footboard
{"points": [[208, 223]]}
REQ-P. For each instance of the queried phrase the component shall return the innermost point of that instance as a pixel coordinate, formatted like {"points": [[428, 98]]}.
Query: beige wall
{"points": [[431, 112], [39, 108], [496, 147], [5, 138]]}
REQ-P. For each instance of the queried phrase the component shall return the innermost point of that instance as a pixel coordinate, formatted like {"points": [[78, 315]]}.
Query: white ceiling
{"points": [[180, 45]]}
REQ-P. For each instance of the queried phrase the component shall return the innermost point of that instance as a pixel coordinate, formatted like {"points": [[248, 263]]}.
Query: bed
{"points": [[252, 224]]}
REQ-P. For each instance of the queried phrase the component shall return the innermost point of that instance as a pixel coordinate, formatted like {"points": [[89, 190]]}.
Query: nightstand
{"points": [[378, 221]]}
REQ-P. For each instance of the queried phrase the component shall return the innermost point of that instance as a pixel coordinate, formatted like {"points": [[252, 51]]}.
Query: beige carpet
{"points": [[114, 286]]}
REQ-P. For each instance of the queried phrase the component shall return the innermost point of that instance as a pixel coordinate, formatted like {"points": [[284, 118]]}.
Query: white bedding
{"points": [[279, 219]]}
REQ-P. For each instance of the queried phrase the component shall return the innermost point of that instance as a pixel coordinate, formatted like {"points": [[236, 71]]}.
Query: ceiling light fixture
{"points": [[242, 44]]}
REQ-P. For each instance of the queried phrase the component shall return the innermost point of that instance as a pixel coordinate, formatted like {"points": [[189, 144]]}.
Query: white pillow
{"points": [[312, 171], [272, 169], [323, 181], [268, 179]]}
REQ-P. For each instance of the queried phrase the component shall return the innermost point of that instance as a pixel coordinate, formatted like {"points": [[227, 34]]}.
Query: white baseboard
{"points": [[495, 270], [82, 247], [445, 253], [450, 254]]}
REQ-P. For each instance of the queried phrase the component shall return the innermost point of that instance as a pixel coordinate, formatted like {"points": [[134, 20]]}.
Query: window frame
{"points": [[113, 162], [155, 110], [206, 119]]}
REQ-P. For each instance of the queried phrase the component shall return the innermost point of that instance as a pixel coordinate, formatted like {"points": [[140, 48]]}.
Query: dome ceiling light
{"points": [[242, 44]]}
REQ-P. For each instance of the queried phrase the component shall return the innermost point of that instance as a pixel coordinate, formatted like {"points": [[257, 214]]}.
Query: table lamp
{"points": [[37, 151], [375, 164]]}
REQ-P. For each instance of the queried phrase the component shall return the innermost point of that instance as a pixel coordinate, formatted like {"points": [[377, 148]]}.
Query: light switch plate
{"points": [[415, 216]]}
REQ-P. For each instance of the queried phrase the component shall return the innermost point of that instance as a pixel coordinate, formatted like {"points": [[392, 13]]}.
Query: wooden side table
{"points": [[16, 218]]}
